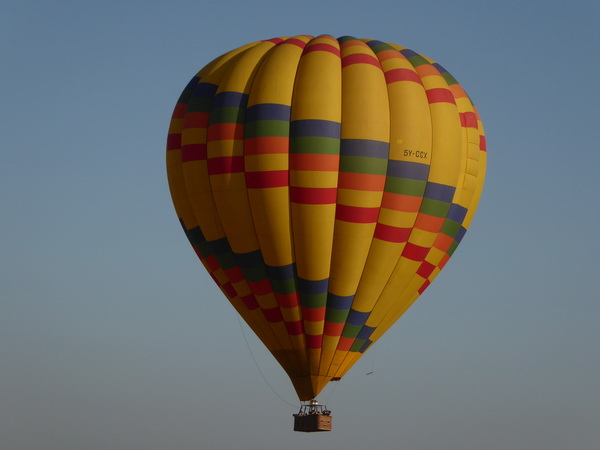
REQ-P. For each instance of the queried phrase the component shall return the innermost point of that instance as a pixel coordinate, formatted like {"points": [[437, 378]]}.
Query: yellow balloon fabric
{"points": [[324, 183]]}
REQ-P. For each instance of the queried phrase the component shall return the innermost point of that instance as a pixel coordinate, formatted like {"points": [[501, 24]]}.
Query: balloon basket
{"points": [[312, 417]]}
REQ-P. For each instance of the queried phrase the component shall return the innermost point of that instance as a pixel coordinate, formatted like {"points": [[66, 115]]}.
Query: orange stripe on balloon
{"points": [[334, 329], [313, 162], [443, 242], [426, 70], [401, 202], [384, 55], [196, 120], [362, 182], [266, 145], [313, 314], [225, 131], [457, 91], [429, 223], [345, 344]]}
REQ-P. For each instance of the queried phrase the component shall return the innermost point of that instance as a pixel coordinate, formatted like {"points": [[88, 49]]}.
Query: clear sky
{"points": [[113, 337]]}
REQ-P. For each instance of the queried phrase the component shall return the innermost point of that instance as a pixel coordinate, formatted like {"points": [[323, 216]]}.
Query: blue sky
{"points": [[112, 336]]}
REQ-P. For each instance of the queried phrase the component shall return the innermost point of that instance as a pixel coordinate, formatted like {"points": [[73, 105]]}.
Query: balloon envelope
{"points": [[324, 183]]}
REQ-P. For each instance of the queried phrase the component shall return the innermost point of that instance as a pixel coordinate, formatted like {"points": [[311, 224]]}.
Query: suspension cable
{"points": [[258, 368]]}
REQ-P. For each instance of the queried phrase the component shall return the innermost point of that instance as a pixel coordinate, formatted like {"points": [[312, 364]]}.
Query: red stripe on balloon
{"points": [[273, 315], [425, 269], [179, 111], [482, 144], [356, 214], [313, 196], [425, 286], [262, 287], [287, 300], [415, 252], [267, 179], [468, 120], [250, 302], [274, 40], [234, 274], [296, 42], [392, 234], [225, 164], [313, 341], [225, 131], [212, 263], [394, 75], [196, 120], [229, 290], [440, 95], [333, 329], [294, 328], [313, 314], [321, 47], [193, 152], [174, 141], [360, 58]]}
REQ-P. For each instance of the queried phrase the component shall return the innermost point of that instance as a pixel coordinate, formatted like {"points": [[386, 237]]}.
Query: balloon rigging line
{"points": [[330, 394], [257, 366]]}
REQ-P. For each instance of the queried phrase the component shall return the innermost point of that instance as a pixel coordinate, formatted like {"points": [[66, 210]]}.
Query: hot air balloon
{"points": [[324, 183]]}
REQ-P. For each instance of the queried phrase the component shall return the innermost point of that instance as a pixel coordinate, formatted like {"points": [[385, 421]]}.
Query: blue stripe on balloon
{"points": [[282, 273], [338, 302], [205, 90], [364, 147], [440, 192], [230, 100], [315, 128], [460, 234], [409, 170], [313, 287], [409, 53], [220, 246], [250, 259], [457, 213], [365, 346], [357, 317], [365, 332], [268, 111]]}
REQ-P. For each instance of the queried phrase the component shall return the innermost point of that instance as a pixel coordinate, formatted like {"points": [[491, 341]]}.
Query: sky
{"points": [[112, 336]]}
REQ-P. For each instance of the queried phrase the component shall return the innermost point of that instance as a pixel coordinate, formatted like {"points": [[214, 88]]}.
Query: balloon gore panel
{"points": [[324, 183]]}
